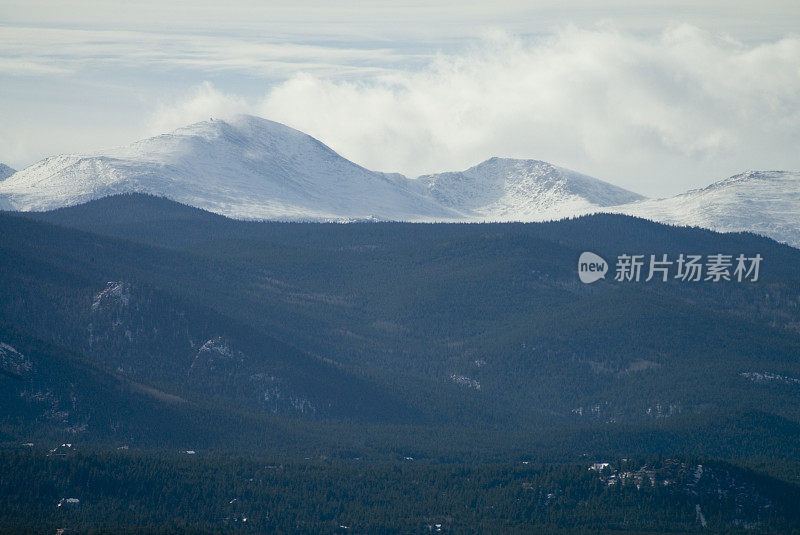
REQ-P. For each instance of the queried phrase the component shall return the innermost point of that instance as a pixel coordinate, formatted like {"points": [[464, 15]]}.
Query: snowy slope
{"points": [[503, 189], [247, 168], [763, 202], [251, 168]]}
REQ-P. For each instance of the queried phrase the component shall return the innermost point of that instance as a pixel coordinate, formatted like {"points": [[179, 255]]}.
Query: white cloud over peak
{"points": [[651, 113], [203, 102]]}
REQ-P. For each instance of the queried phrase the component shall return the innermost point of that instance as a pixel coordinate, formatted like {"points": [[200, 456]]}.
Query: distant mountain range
{"points": [[252, 168]]}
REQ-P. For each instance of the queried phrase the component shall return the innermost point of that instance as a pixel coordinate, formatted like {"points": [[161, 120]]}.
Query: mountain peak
{"points": [[254, 137], [242, 123], [526, 190], [763, 202], [752, 176], [500, 160], [248, 167], [515, 167], [243, 167]]}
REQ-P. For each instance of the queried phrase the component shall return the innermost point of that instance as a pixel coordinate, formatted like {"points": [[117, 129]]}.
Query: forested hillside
{"points": [[134, 322]]}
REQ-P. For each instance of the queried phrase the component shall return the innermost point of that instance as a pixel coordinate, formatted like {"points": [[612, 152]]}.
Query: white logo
{"points": [[591, 267]]}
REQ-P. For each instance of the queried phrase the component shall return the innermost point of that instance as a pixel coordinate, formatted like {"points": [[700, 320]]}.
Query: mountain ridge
{"points": [[509, 189], [763, 202], [277, 338], [248, 168], [251, 168]]}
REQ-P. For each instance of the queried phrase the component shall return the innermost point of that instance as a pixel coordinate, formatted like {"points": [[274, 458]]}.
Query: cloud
{"points": [[23, 67], [656, 114], [201, 103], [41, 50], [589, 98]]}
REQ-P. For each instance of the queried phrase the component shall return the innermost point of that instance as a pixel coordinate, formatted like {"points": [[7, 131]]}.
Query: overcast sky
{"points": [[657, 97]]}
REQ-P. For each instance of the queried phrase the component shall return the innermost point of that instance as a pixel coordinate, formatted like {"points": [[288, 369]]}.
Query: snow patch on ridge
{"points": [[769, 377], [113, 293]]}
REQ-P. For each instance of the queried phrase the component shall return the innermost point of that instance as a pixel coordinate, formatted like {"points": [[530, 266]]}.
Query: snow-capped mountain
{"points": [[763, 202], [246, 168], [503, 189], [6, 171], [252, 168]]}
